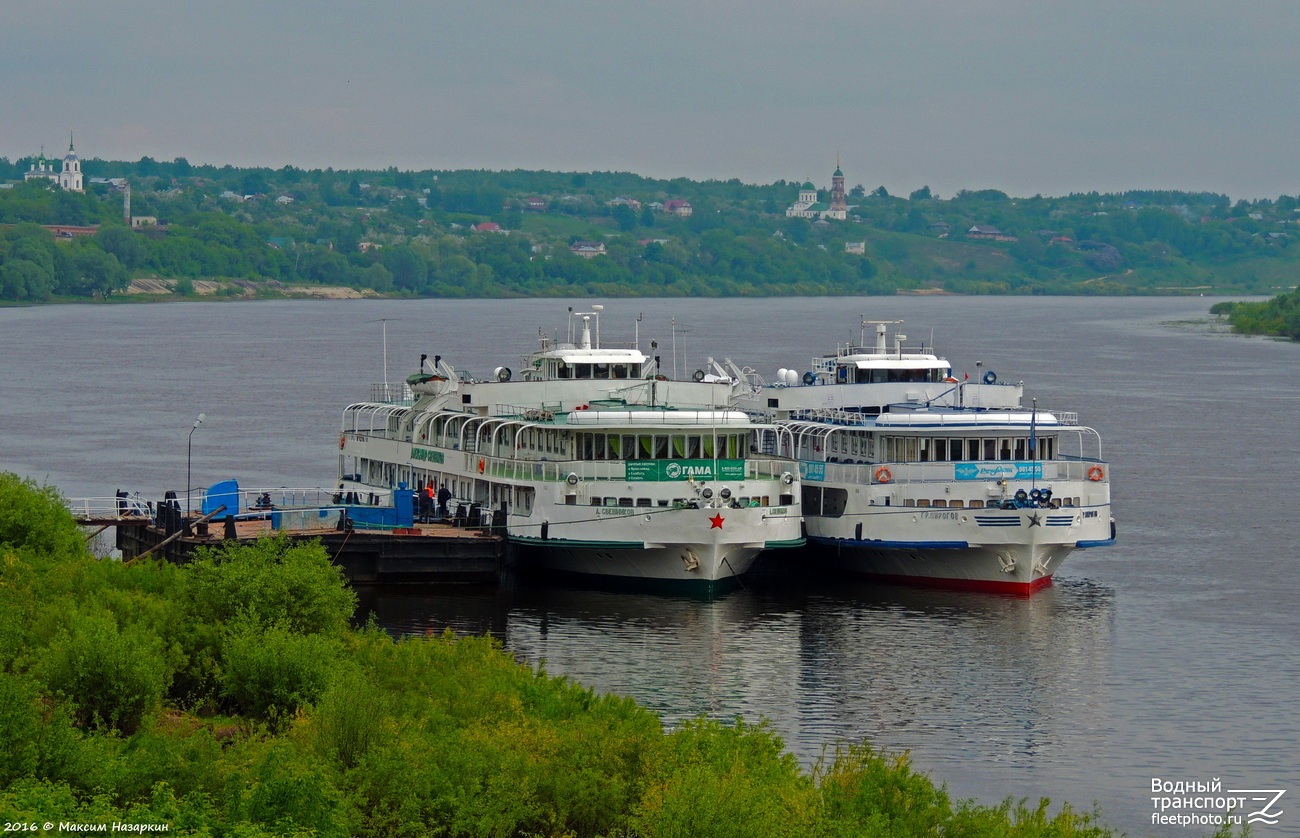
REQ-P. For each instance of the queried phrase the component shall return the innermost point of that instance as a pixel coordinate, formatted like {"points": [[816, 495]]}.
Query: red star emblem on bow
{"points": [[715, 523]]}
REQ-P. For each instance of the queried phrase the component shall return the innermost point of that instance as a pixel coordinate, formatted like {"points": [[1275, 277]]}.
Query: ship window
{"points": [[598, 450], [620, 370], [812, 499], [582, 370], [571, 500], [644, 502], [595, 501], [693, 447], [834, 501], [972, 449], [990, 449], [629, 447], [661, 447], [1020, 448], [624, 501], [679, 446], [600, 371], [707, 443], [611, 501], [562, 370], [1004, 451], [941, 449]]}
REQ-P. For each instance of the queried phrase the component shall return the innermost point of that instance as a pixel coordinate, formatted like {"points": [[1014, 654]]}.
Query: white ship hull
{"points": [[680, 547], [1000, 550]]}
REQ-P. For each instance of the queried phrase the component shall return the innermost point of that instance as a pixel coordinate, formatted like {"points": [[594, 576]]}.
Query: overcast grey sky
{"points": [[1027, 97]]}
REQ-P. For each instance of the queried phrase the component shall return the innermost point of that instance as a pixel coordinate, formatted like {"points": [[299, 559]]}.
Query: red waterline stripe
{"points": [[987, 586]]}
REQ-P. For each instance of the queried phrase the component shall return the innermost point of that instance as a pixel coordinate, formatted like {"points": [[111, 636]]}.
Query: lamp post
{"points": [[189, 447]]}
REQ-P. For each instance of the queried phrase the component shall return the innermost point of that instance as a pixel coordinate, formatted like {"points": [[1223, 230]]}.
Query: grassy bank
{"points": [[232, 697]]}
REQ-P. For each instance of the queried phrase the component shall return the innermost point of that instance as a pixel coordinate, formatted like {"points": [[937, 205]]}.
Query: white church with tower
{"points": [[808, 205], [69, 177]]}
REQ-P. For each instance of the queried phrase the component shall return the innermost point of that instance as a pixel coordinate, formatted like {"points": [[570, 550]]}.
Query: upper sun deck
{"points": [[582, 356]]}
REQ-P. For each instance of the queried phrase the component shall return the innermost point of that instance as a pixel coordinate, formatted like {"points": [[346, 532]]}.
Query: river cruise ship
{"points": [[913, 475], [590, 461]]}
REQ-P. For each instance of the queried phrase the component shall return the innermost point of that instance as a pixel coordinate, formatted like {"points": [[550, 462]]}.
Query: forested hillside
{"points": [[481, 233]]}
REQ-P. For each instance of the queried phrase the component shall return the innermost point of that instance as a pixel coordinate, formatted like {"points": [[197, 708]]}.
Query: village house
{"points": [[989, 233], [678, 207], [587, 250]]}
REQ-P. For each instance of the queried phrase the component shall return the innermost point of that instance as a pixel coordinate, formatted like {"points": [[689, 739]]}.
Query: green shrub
{"points": [[111, 677], [269, 672], [20, 723], [349, 719], [291, 794], [34, 517], [725, 780], [275, 582]]}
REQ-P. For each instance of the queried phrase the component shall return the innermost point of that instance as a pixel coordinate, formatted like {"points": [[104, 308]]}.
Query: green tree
{"points": [[124, 243], [21, 279], [624, 217], [94, 272], [409, 269]]}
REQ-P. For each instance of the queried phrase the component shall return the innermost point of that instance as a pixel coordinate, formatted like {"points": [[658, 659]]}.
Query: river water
{"points": [[1171, 655]]}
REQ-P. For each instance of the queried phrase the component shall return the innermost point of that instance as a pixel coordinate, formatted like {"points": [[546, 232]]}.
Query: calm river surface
{"points": [[1171, 655]]}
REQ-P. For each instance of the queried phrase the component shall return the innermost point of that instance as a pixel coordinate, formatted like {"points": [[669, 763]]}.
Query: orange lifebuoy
{"points": [[482, 464], [1095, 473], [884, 475], [343, 440]]}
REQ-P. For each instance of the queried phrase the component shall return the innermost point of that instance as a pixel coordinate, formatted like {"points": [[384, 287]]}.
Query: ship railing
{"points": [[550, 471], [529, 413], [105, 508], [833, 416], [392, 393], [1073, 469]]}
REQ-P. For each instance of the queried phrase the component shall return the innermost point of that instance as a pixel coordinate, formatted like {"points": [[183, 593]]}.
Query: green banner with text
{"points": [[656, 470]]}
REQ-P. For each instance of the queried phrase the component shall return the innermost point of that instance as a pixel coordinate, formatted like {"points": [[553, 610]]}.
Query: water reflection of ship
{"points": [[956, 676], [952, 676]]}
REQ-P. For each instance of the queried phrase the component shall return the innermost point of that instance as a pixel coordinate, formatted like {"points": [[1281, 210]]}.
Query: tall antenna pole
{"points": [[384, 321]]}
